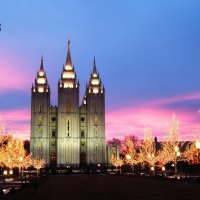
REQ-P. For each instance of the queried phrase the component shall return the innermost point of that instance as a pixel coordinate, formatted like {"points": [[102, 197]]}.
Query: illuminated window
{"points": [[113, 156], [68, 105], [95, 120]]}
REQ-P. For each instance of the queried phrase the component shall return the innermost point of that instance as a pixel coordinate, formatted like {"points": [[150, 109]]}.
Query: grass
{"points": [[96, 187]]}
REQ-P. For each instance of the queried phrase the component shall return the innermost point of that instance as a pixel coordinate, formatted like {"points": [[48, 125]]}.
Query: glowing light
{"points": [[41, 73], [94, 75], [84, 101], [11, 172], [68, 75], [5, 172], [178, 154], [68, 67], [95, 90], [68, 85], [40, 89], [152, 168], [95, 81], [176, 148], [128, 157], [163, 168], [197, 144], [41, 80]]}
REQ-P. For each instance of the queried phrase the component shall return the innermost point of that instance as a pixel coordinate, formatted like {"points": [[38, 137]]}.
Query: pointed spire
{"points": [[68, 60], [94, 67], [41, 65]]}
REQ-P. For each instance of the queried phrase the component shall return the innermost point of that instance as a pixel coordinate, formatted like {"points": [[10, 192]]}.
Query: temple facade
{"points": [[70, 133]]}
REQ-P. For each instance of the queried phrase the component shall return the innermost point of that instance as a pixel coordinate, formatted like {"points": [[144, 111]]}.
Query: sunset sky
{"points": [[147, 53]]}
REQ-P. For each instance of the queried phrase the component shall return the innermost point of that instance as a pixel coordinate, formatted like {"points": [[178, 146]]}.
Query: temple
{"points": [[70, 134]]}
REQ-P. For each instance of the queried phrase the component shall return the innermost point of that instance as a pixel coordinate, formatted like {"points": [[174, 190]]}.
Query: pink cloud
{"points": [[133, 120], [187, 97], [121, 121], [12, 78], [17, 121]]}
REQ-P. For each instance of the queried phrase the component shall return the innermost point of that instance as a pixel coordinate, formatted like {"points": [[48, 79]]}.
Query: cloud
{"points": [[133, 120], [17, 121], [11, 77], [181, 98], [124, 120]]}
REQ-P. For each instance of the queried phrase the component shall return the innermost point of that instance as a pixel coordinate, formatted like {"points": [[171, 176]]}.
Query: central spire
{"points": [[68, 76], [68, 64], [94, 67], [41, 65]]}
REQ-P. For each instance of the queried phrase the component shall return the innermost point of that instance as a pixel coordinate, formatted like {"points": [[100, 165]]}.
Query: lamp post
{"points": [[20, 167], [152, 161], [128, 157], [197, 145], [5, 172], [177, 154], [163, 170]]}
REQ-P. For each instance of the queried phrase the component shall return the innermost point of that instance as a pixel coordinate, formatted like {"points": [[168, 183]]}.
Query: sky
{"points": [[147, 54]]}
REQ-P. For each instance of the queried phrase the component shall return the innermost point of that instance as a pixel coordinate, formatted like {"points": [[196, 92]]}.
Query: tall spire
{"points": [[68, 59], [41, 83], [68, 75], [94, 67], [95, 85], [41, 65]]}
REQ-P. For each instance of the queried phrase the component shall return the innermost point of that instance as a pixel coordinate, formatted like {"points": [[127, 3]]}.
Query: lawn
{"points": [[96, 187]]}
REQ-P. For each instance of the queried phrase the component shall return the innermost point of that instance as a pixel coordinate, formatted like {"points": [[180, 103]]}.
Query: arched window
{"points": [[53, 156], [39, 133], [96, 146], [53, 133], [83, 158], [95, 107], [95, 120], [82, 133], [96, 133], [113, 156], [40, 120], [39, 146], [40, 108], [68, 128], [68, 105]]}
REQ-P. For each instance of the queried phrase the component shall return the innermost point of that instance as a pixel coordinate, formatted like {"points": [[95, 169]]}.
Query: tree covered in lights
{"points": [[171, 147], [13, 153], [129, 149], [117, 162], [192, 151], [147, 154]]}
